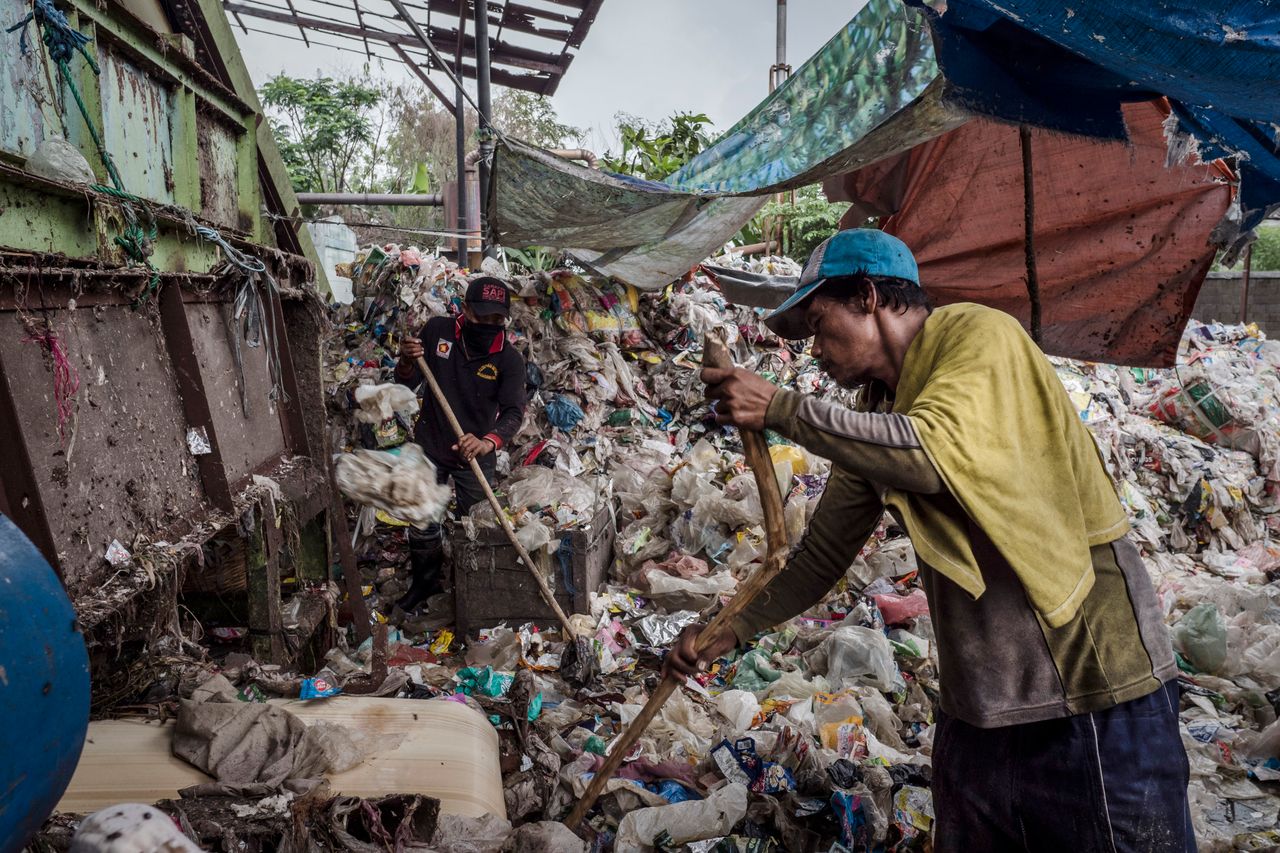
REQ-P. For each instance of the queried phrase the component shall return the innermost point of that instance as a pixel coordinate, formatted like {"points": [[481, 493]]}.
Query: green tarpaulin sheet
{"points": [[871, 92]]}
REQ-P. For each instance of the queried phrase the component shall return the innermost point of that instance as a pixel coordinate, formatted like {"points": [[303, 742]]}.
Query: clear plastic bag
{"points": [[852, 653], [402, 485]]}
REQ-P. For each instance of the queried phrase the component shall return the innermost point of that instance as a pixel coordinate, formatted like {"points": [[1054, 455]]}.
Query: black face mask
{"points": [[479, 337]]}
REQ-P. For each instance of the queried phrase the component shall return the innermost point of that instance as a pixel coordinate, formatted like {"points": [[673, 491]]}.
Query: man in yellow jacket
{"points": [[1058, 726]]}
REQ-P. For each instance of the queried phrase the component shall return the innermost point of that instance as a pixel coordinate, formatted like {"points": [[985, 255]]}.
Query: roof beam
{"points": [[503, 54], [427, 81], [585, 20], [520, 18]]}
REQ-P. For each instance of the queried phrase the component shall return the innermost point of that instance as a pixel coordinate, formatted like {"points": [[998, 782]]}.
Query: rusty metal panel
{"points": [[138, 117], [219, 173], [22, 86], [247, 442], [125, 468], [195, 404]]}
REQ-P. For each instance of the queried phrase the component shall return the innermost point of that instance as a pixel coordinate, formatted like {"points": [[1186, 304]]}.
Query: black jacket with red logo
{"points": [[486, 390]]}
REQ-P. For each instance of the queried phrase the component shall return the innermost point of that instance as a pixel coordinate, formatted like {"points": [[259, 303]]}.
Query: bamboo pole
{"points": [[714, 354]]}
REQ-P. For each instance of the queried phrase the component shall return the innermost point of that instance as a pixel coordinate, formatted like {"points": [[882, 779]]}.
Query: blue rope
{"points": [[63, 42]]}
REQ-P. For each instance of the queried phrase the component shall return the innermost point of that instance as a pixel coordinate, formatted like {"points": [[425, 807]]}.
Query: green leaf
{"points": [[421, 179]]}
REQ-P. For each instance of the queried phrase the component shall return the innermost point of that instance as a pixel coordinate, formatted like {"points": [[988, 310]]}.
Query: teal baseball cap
{"points": [[858, 251]]}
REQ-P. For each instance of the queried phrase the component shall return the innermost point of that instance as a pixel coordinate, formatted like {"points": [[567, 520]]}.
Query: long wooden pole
{"points": [[1029, 231], [498, 511], [756, 449]]}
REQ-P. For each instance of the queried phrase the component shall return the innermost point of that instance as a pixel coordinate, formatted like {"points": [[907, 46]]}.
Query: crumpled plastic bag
{"points": [[680, 729], [380, 402], [58, 159], [739, 762], [852, 652], [1201, 638], [755, 673], [688, 593], [900, 609], [684, 822], [739, 707], [402, 485]]}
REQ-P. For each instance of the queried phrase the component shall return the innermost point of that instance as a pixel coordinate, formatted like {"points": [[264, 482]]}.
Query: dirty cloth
{"points": [[1138, 804], [247, 743], [460, 834], [244, 745], [1007, 441], [547, 836]]}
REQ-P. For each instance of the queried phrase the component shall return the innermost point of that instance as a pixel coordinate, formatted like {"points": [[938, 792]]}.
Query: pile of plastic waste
{"points": [[817, 736]]}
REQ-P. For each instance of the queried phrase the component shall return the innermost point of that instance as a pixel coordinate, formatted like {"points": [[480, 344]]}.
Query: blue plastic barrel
{"points": [[44, 689]]}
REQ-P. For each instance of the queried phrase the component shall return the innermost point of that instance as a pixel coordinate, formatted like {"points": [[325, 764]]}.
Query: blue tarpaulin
{"points": [[1069, 67]]}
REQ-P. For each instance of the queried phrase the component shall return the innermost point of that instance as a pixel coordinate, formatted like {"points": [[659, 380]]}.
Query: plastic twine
{"points": [[66, 379], [257, 322]]}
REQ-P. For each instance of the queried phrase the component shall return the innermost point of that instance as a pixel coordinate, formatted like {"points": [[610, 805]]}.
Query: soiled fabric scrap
{"points": [[546, 836], [683, 822], [243, 744], [254, 749], [458, 834]]}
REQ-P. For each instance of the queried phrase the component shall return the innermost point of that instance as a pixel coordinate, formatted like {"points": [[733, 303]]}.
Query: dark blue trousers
{"points": [[1112, 780]]}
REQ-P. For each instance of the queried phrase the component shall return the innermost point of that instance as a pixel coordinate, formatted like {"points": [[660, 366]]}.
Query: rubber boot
{"points": [[425, 573]]}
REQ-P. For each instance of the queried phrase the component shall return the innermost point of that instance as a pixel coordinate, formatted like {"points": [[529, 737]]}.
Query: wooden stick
{"points": [[1029, 230], [714, 354], [543, 589]]}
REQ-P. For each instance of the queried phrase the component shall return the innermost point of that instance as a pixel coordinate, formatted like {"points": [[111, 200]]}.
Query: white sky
{"points": [[648, 58]]}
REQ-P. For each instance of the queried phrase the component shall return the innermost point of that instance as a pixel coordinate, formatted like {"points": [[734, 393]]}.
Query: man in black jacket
{"points": [[483, 378]]}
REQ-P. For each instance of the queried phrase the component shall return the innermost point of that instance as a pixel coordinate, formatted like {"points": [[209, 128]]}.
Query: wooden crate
{"points": [[491, 585]]}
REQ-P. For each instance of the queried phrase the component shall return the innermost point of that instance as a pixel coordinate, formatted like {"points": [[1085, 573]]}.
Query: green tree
{"points": [[1265, 250], [328, 130], [798, 225], [533, 119], [655, 150]]}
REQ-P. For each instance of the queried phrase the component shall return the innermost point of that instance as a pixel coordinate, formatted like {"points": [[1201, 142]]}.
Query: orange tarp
{"points": [[1122, 241]]}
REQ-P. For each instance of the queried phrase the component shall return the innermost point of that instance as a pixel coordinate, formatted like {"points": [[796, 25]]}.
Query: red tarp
{"points": [[1122, 242]]}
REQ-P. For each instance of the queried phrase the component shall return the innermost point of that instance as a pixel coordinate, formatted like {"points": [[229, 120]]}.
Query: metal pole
{"points": [[460, 139], [777, 75], [389, 199], [780, 61], [486, 114], [1244, 284]]}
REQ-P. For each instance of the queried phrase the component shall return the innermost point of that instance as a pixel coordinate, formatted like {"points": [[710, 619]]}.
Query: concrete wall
{"points": [[1220, 300]]}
